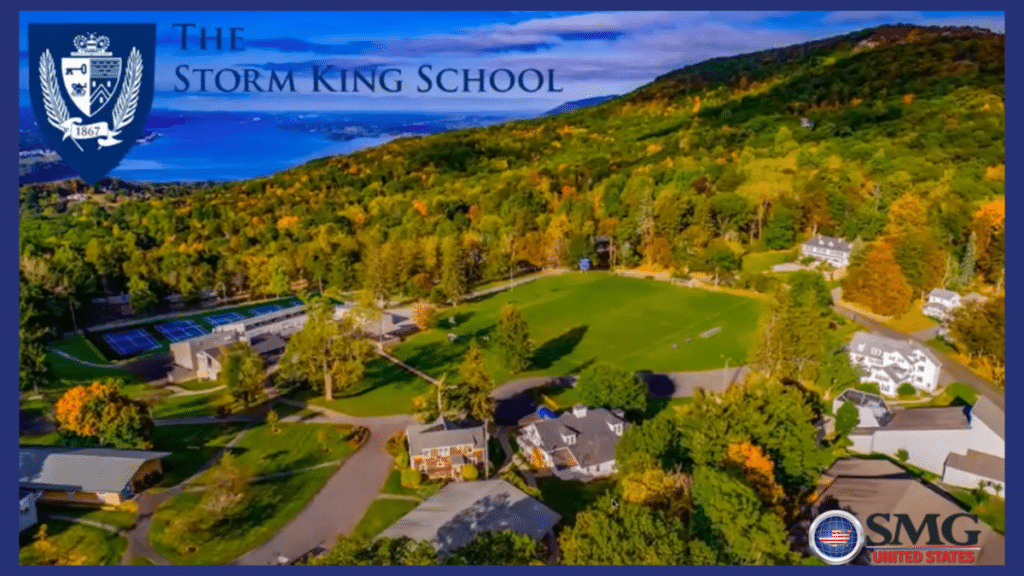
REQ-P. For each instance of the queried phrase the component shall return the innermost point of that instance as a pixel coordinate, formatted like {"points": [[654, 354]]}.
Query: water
{"points": [[222, 146]]}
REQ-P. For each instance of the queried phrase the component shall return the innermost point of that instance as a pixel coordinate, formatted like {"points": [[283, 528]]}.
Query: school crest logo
{"points": [[92, 88]]}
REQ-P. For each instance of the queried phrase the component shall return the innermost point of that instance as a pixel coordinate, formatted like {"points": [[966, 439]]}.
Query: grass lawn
{"points": [[198, 384], [577, 319], [123, 517], [265, 509], [86, 544], [559, 397], [190, 447], [993, 512], [295, 446], [67, 372], [956, 394], [192, 405], [385, 389], [51, 439], [912, 321], [763, 261], [941, 345], [381, 514], [568, 498], [393, 485], [80, 347]]}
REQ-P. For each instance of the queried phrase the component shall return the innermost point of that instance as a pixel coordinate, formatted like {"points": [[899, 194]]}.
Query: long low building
{"points": [[452, 518], [963, 444], [101, 476]]}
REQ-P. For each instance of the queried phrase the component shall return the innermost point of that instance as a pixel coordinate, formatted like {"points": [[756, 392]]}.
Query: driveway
{"points": [[339, 506]]}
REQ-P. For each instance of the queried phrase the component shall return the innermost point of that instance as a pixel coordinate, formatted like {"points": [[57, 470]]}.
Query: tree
{"points": [[606, 386], [804, 282], [757, 469], [902, 455], [32, 332], [879, 283], [847, 418], [654, 487], [100, 413], [504, 548], [242, 372], [968, 262], [513, 338], [477, 385], [781, 230], [453, 269], [469, 472], [380, 552], [326, 352], [423, 314], [734, 523], [792, 336], [228, 484], [624, 534], [272, 420]]}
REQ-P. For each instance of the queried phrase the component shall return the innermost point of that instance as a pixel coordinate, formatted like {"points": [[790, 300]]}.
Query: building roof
{"points": [[864, 488], [993, 417], [866, 342], [944, 418], [390, 323], [828, 242], [82, 469], [980, 463], [943, 294], [872, 402], [452, 518], [267, 344], [864, 468], [594, 439], [443, 432], [896, 374]]}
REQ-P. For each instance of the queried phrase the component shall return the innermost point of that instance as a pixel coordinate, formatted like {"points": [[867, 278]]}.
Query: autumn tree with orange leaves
{"points": [[989, 227], [423, 315], [757, 469], [101, 414], [878, 283]]}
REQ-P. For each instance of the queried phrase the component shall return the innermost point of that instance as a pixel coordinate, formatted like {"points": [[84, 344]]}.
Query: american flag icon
{"points": [[837, 537]]}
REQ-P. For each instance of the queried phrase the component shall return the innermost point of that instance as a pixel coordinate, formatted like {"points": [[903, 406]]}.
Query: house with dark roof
{"points": [[453, 516], [963, 444], [440, 449], [892, 363], [941, 303], [579, 444], [867, 487], [835, 251], [101, 476]]}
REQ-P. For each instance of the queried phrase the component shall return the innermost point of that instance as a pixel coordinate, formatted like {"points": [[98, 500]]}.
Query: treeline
{"points": [[692, 182]]}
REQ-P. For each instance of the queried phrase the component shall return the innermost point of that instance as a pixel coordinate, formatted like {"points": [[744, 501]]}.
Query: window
{"points": [[569, 439]]}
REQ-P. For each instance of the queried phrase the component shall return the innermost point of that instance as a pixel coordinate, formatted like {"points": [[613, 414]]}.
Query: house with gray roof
{"points": [[101, 476], [892, 363], [578, 445], [835, 251], [963, 444], [459, 511], [440, 449], [867, 487], [941, 303]]}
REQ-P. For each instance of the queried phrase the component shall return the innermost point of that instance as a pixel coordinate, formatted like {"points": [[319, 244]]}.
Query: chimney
{"points": [[579, 411]]}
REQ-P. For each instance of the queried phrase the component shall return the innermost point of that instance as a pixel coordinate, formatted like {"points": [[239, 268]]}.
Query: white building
{"points": [[941, 303], [835, 251], [578, 445], [27, 509], [892, 363], [963, 444], [281, 322]]}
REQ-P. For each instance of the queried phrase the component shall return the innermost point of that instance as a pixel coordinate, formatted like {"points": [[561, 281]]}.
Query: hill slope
{"points": [[689, 171]]}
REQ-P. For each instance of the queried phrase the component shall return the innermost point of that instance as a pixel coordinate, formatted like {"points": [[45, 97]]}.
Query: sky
{"points": [[591, 53]]}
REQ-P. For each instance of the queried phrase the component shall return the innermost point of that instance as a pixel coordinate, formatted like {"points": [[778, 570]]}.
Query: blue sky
{"points": [[592, 53]]}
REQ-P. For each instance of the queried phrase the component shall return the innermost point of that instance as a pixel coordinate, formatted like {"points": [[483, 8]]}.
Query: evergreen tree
{"points": [[847, 419], [477, 385], [605, 386], [968, 262], [453, 269], [513, 339]]}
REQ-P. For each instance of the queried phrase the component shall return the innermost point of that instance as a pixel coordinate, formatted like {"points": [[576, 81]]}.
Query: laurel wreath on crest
{"points": [[124, 108], [56, 110]]}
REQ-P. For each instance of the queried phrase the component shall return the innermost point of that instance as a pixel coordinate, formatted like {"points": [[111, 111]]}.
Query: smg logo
{"points": [[895, 538]]}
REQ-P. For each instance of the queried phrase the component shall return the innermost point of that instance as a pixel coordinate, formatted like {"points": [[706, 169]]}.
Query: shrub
{"points": [[395, 444], [902, 455], [469, 472], [402, 458], [223, 410], [906, 390], [410, 478]]}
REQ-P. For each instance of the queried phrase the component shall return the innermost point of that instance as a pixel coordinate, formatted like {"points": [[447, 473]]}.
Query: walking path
{"points": [[93, 523]]}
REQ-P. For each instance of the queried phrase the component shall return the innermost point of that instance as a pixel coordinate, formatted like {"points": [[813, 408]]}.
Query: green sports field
{"points": [[579, 318]]}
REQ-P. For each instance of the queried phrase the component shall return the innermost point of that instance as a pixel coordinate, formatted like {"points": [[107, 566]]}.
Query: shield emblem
{"points": [[91, 82], [91, 87]]}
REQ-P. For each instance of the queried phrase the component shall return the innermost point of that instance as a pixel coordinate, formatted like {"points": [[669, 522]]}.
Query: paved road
{"points": [[339, 506], [952, 371]]}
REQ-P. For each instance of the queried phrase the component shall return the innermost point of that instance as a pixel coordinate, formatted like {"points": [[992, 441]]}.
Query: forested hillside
{"points": [[851, 136]]}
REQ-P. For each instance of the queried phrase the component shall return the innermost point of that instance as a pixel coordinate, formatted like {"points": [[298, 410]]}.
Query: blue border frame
{"points": [[9, 286]]}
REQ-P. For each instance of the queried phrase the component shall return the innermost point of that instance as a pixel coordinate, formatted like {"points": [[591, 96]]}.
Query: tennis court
{"points": [[130, 342], [181, 330], [221, 319], [265, 309]]}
